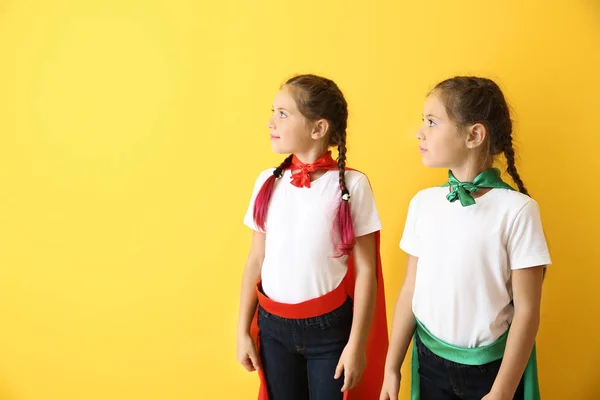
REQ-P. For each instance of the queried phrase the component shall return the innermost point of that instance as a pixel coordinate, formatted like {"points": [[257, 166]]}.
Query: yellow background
{"points": [[132, 131]]}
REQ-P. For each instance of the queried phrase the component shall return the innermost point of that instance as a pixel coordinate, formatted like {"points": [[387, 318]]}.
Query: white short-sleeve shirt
{"points": [[463, 288], [299, 262]]}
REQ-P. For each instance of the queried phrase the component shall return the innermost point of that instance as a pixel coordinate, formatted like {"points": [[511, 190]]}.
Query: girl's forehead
{"points": [[433, 105], [284, 99]]}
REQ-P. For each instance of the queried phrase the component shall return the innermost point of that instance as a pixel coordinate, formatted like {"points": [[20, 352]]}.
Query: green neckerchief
{"points": [[472, 356], [490, 178]]}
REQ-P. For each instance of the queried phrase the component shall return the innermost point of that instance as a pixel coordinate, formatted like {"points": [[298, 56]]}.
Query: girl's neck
{"points": [[310, 156], [468, 172]]}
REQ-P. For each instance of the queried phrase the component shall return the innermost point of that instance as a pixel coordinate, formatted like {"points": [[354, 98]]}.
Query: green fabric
{"points": [[475, 356], [490, 178]]}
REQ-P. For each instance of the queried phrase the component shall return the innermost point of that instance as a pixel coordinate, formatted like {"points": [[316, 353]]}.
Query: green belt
{"points": [[475, 356]]}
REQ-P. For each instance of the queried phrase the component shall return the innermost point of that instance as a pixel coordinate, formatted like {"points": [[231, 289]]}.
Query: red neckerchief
{"points": [[302, 177]]}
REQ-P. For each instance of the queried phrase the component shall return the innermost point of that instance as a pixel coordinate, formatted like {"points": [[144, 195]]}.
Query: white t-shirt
{"points": [[463, 288], [299, 262]]}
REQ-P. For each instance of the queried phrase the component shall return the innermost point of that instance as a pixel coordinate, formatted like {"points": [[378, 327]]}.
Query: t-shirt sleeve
{"points": [[363, 209], [249, 217], [527, 245], [409, 241]]}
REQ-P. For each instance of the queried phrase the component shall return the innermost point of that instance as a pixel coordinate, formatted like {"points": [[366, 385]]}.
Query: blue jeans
{"points": [[299, 356], [441, 379]]}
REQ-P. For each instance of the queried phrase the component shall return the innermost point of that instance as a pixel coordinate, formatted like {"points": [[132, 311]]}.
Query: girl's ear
{"points": [[320, 129], [476, 135]]}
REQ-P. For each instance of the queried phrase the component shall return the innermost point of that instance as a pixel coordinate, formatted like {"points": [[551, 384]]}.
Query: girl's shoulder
{"points": [[354, 175], [512, 200], [264, 174], [427, 194]]}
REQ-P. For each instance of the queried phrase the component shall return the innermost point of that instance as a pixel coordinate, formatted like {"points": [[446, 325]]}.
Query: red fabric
{"points": [[370, 384], [301, 178], [307, 309]]}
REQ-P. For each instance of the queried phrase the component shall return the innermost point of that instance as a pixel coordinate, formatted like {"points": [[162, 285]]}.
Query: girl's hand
{"points": [[391, 385], [247, 354], [352, 362]]}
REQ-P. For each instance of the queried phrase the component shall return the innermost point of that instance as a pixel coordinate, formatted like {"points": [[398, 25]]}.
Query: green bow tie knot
{"points": [[462, 191]]}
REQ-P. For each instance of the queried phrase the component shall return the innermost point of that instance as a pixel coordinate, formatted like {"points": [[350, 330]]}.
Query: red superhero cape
{"points": [[371, 381]]}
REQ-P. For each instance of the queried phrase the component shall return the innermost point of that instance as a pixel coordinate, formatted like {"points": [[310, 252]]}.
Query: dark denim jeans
{"points": [[441, 379], [299, 356]]}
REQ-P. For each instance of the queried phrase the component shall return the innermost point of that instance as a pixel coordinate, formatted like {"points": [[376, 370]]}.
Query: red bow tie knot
{"points": [[301, 178]]}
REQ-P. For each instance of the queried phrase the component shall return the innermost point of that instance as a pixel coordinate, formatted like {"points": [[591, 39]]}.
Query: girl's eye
{"points": [[282, 114], [430, 122]]}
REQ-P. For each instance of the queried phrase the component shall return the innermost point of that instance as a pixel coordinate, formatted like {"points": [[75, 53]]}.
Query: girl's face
{"points": [[441, 143], [290, 131]]}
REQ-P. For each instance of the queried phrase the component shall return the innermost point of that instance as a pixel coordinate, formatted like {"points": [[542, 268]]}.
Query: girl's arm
{"points": [[365, 290], [527, 295], [403, 322], [352, 361], [247, 354], [403, 328]]}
